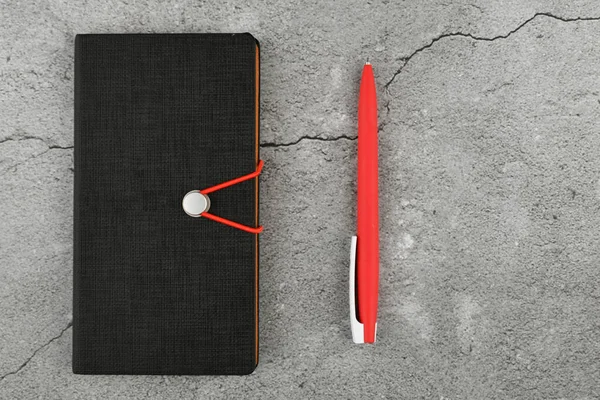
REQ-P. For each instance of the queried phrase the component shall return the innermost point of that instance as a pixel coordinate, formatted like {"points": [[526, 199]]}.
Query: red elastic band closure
{"points": [[231, 223], [232, 182]]}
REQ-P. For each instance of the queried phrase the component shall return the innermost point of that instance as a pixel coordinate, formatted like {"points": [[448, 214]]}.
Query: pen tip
{"points": [[368, 61]]}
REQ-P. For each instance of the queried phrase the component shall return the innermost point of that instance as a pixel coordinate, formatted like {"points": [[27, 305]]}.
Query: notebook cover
{"points": [[156, 291]]}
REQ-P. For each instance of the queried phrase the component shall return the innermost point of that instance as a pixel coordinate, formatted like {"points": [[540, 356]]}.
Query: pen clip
{"points": [[357, 327]]}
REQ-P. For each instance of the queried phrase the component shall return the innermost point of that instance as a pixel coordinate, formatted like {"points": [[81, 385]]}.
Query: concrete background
{"points": [[490, 197]]}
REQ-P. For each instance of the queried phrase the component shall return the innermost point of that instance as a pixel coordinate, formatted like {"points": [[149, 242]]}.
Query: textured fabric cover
{"points": [[155, 290]]}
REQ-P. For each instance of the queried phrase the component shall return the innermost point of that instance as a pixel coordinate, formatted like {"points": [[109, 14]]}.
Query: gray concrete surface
{"points": [[490, 196]]}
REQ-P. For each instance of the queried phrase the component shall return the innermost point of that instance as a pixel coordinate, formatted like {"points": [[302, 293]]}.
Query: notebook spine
{"points": [[76, 189]]}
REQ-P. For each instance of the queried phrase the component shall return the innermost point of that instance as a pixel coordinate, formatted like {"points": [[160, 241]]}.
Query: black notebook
{"points": [[157, 291]]}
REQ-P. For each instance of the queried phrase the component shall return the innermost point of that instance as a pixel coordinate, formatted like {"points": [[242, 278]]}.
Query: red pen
{"points": [[364, 252]]}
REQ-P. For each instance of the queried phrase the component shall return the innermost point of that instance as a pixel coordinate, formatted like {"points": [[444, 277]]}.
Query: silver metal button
{"points": [[195, 203]]}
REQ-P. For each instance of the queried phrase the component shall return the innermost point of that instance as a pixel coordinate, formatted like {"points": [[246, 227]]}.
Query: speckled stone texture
{"points": [[490, 197]]}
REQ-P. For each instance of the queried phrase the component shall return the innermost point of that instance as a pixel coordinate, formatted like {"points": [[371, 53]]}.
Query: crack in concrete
{"points": [[331, 139], [48, 343], [19, 139], [22, 138], [13, 167], [479, 38], [406, 60]]}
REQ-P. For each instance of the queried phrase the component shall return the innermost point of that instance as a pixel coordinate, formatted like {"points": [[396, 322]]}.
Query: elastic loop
{"points": [[231, 223], [223, 185], [234, 181]]}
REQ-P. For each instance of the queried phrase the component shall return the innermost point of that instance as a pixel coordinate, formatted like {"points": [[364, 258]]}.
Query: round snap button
{"points": [[195, 203]]}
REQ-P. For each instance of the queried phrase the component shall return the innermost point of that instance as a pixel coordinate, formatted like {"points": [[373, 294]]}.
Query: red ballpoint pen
{"points": [[364, 256]]}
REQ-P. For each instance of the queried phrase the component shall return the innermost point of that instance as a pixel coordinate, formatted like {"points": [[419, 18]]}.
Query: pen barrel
{"points": [[367, 269]]}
